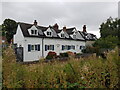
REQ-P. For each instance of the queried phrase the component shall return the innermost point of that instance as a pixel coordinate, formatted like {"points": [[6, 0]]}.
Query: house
{"points": [[89, 37], [34, 42]]}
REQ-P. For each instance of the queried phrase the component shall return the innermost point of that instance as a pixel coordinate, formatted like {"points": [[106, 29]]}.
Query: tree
{"points": [[110, 42], [110, 27], [110, 31], [9, 27]]}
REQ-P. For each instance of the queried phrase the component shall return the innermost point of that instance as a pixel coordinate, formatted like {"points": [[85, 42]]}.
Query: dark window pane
{"points": [[53, 47], [46, 47], [62, 47], [29, 47], [35, 31], [80, 47], [38, 47], [32, 47], [32, 31]]}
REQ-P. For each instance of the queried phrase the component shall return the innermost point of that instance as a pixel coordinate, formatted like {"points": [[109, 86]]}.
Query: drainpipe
{"points": [[42, 47]]}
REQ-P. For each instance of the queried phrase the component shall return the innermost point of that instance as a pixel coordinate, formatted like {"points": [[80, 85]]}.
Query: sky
{"points": [[64, 13]]}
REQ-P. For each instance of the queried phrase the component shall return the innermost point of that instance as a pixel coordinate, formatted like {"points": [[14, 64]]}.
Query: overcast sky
{"points": [[69, 14]]}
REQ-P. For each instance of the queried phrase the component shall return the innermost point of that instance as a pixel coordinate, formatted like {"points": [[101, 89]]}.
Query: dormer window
{"points": [[74, 36], [62, 35], [33, 32], [49, 33]]}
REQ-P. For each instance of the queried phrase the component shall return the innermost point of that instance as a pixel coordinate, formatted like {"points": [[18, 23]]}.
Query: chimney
{"points": [[35, 22], [56, 27], [64, 28], [84, 28]]}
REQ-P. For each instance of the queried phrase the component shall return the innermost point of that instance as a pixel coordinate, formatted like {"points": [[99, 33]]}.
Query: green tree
{"points": [[110, 27], [110, 31], [108, 42], [9, 27]]}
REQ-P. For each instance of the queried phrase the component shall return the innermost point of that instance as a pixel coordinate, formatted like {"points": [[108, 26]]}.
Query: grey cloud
{"points": [[67, 13]]}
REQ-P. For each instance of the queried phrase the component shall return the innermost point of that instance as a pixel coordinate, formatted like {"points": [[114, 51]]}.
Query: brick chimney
{"points": [[84, 28], [64, 28], [35, 22], [56, 27]]}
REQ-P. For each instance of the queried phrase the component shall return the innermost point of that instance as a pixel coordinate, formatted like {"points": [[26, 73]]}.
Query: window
{"points": [[82, 47], [68, 47], [38, 47], [33, 47], [29, 47], [46, 47], [49, 47], [63, 47], [74, 36], [73, 47], [49, 33], [62, 35], [34, 32]]}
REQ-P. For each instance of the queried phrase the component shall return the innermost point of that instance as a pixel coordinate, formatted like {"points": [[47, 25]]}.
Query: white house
{"points": [[36, 41]]}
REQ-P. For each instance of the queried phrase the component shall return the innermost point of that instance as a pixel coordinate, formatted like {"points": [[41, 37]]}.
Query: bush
{"points": [[70, 54], [64, 54], [51, 55], [91, 50]]}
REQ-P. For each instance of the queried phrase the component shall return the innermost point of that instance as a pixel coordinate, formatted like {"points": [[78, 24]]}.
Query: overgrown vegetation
{"points": [[9, 28], [109, 31], [93, 72]]}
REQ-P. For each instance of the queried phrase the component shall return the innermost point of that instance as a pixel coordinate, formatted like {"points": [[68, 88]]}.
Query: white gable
{"points": [[48, 30], [18, 37], [32, 28]]}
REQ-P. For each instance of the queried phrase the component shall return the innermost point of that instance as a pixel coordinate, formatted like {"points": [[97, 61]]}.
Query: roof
{"points": [[88, 36], [41, 29], [70, 30]]}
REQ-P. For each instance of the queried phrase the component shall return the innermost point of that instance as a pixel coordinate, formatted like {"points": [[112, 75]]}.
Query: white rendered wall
{"points": [[18, 37], [32, 55], [58, 45]]}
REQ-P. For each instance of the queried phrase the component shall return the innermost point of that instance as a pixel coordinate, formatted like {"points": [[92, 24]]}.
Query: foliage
{"points": [[110, 27], [9, 27], [90, 49], [108, 42], [70, 54], [51, 55], [92, 72], [110, 34], [65, 54]]}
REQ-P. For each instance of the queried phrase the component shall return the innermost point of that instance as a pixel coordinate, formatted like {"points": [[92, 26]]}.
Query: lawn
{"points": [[91, 72]]}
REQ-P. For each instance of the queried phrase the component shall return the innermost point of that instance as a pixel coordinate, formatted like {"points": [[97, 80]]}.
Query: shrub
{"points": [[51, 55], [70, 54], [64, 54], [91, 50]]}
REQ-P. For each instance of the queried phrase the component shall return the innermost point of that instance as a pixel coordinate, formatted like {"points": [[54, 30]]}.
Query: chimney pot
{"points": [[84, 28], [64, 28], [35, 22], [56, 26]]}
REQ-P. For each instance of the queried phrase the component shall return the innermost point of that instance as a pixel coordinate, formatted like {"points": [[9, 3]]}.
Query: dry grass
{"points": [[92, 72]]}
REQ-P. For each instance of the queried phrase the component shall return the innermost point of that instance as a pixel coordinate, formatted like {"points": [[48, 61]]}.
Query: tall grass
{"points": [[92, 72]]}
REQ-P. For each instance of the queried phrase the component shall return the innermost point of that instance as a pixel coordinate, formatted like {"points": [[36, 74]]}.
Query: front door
{"points": [[19, 54]]}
